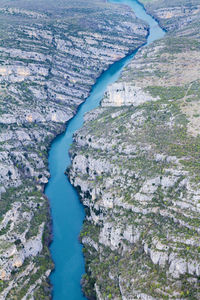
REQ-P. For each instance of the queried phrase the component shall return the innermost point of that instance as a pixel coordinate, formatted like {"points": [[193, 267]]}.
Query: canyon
{"points": [[135, 164], [51, 55]]}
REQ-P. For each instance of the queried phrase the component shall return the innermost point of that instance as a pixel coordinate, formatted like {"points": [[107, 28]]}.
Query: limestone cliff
{"points": [[136, 165], [51, 53]]}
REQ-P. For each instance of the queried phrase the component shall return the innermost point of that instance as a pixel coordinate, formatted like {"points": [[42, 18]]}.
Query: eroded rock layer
{"points": [[51, 53], [136, 166]]}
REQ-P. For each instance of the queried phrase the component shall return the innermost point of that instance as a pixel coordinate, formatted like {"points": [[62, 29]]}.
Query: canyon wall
{"points": [[136, 167]]}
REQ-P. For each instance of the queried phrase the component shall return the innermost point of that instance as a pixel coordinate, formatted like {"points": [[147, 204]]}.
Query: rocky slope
{"points": [[51, 53], [173, 14], [136, 167]]}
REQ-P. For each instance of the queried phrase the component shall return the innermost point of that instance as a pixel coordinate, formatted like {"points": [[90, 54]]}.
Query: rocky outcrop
{"points": [[51, 54], [135, 164], [121, 93], [173, 15], [143, 204]]}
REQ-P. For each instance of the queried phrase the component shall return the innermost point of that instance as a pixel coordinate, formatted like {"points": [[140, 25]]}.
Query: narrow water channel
{"points": [[66, 209]]}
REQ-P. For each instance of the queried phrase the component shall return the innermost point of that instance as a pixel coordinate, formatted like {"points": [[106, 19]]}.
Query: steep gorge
{"points": [[51, 53], [136, 167]]}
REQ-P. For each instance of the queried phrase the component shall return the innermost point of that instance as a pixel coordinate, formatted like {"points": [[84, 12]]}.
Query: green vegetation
{"points": [[51, 53], [166, 137], [145, 213]]}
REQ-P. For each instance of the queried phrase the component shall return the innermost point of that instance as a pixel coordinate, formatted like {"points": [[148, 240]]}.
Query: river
{"points": [[66, 210]]}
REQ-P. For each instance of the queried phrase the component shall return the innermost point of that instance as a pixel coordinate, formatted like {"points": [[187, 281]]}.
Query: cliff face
{"points": [[173, 14], [51, 53], [136, 166]]}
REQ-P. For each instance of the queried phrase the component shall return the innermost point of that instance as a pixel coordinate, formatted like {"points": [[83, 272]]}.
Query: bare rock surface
{"points": [[51, 54], [135, 163]]}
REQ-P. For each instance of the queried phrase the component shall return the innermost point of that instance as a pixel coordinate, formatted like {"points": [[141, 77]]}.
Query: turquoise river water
{"points": [[66, 210]]}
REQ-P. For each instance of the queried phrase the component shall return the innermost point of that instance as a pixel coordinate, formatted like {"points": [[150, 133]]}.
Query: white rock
{"points": [[119, 94]]}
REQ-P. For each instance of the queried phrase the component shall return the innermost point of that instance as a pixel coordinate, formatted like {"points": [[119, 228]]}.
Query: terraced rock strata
{"points": [[173, 14], [51, 53], [136, 166]]}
